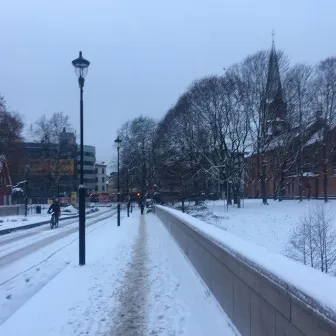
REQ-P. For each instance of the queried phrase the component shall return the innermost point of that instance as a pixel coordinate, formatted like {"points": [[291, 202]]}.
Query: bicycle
{"points": [[53, 221]]}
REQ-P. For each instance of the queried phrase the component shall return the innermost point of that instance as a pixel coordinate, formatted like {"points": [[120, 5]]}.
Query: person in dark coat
{"points": [[56, 209]]}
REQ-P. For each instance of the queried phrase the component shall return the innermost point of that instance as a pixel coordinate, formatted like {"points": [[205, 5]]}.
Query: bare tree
{"points": [[176, 150], [47, 132], [325, 103], [313, 242], [254, 72], [11, 127], [137, 152], [299, 91], [325, 239], [301, 246], [261, 73]]}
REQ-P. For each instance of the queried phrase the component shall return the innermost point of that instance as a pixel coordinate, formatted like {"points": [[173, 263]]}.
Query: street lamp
{"points": [[81, 66], [118, 141], [26, 189]]}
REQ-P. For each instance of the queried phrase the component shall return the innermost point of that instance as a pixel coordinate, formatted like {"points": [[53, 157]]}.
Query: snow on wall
{"points": [[315, 288]]}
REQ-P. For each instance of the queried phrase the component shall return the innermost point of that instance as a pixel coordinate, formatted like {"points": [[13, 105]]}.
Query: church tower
{"points": [[275, 106]]}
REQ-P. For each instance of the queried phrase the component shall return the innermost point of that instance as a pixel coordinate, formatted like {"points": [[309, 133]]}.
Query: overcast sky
{"points": [[143, 53]]}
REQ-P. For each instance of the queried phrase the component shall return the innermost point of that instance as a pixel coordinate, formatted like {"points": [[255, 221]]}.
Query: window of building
{"points": [[103, 179], [96, 170], [103, 188], [103, 171]]}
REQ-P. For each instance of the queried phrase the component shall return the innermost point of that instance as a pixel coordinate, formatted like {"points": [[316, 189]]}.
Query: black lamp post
{"points": [[81, 67], [118, 141], [26, 189]]}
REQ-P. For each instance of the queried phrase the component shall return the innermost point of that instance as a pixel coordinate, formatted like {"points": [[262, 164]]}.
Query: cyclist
{"points": [[56, 209]]}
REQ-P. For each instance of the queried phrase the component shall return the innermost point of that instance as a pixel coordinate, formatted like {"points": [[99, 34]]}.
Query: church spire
{"points": [[275, 107], [273, 86]]}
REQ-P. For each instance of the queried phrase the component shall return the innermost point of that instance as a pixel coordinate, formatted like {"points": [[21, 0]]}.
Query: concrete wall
{"points": [[256, 303], [12, 210]]}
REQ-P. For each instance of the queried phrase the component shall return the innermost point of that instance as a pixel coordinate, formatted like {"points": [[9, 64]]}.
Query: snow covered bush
{"points": [[313, 242]]}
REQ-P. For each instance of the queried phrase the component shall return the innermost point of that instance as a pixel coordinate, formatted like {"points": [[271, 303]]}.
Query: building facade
{"points": [[112, 185], [89, 167], [101, 177], [49, 168]]}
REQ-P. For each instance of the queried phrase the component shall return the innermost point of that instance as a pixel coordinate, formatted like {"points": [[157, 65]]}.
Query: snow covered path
{"points": [[131, 317], [136, 282], [178, 301]]}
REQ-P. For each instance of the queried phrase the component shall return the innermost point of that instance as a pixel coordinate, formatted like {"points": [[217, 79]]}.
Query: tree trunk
{"points": [[300, 178], [325, 174], [228, 193], [274, 189], [301, 148], [238, 196], [316, 187], [325, 184], [235, 196], [282, 187], [262, 177], [263, 189]]}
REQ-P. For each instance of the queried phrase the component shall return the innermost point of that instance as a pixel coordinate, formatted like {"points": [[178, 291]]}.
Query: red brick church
{"points": [[311, 159]]}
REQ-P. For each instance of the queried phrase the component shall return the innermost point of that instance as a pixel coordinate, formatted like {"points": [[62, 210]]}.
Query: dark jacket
{"points": [[55, 208]]}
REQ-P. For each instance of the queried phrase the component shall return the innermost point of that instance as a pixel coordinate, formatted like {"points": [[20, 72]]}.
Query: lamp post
{"points": [[81, 66], [118, 141], [26, 189]]}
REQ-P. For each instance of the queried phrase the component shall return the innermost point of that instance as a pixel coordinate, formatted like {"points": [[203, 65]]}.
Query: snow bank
{"points": [[69, 210], [303, 281]]}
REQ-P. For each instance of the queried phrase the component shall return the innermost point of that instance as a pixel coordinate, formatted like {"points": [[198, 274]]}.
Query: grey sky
{"points": [[143, 53]]}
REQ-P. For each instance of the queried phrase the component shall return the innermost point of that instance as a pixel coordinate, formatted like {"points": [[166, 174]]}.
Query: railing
{"points": [[257, 299]]}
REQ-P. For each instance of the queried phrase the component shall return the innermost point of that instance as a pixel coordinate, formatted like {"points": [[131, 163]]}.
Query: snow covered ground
{"points": [[24, 254], [135, 282], [7, 222], [269, 226], [14, 221], [303, 281]]}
